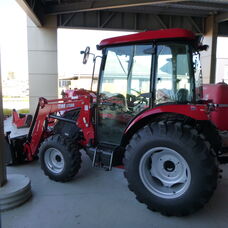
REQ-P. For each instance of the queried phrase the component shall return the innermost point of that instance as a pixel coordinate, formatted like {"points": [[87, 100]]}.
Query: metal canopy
{"points": [[127, 14]]}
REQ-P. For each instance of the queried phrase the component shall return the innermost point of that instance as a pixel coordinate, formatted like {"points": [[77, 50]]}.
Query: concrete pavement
{"points": [[101, 199]]}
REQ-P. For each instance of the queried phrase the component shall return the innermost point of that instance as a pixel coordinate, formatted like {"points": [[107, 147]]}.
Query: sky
{"points": [[13, 44], [72, 41], [13, 39]]}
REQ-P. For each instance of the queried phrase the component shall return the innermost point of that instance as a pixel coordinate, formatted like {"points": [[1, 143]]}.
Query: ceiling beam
{"points": [[160, 21], [102, 5], [129, 21], [212, 1], [222, 17], [194, 24], [223, 29], [164, 11], [108, 19], [212, 7], [34, 9], [29, 11]]}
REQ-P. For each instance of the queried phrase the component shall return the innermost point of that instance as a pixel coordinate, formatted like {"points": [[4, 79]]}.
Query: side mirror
{"points": [[203, 47], [86, 55]]}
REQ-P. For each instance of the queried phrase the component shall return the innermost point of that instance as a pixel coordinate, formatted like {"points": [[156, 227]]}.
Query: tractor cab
{"points": [[141, 73]]}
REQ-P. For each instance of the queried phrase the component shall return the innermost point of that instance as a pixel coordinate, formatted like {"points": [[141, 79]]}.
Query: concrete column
{"points": [[3, 178], [42, 61], [208, 58]]}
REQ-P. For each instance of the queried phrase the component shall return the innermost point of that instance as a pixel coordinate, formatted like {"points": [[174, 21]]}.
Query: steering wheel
{"points": [[135, 102]]}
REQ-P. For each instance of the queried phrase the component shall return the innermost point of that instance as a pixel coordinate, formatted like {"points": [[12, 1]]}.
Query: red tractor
{"points": [[147, 114]]}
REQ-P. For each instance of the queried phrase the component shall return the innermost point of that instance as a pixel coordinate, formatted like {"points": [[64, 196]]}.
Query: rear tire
{"points": [[211, 134], [60, 158], [170, 168]]}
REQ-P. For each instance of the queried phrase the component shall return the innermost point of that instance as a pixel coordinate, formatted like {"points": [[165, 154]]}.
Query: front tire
{"points": [[170, 168], [60, 158]]}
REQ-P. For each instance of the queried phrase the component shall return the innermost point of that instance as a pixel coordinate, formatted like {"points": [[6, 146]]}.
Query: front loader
{"points": [[147, 114]]}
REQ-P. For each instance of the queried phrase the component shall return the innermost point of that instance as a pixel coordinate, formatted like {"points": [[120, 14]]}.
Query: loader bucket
{"points": [[14, 149]]}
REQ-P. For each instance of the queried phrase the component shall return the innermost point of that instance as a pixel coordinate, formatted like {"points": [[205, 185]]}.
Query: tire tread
{"points": [[202, 149], [72, 152]]}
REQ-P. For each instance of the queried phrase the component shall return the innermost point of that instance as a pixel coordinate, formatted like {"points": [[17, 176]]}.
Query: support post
{"points": [[208, 58], [15, 189], [42, 61], [3, 178]]}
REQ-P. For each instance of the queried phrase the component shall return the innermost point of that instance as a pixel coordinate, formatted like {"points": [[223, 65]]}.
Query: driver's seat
{"points": [[182, 96]]}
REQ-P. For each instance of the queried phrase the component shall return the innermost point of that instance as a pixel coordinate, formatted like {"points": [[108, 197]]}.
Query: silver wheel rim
{"points": [[164, 172], [54, 161]]}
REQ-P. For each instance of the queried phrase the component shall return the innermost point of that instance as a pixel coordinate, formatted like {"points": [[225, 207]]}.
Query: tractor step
{"points": [[102, 156]]}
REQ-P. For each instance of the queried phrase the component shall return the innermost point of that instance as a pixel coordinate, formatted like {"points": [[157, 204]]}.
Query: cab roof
{"points": [[147, 36]]}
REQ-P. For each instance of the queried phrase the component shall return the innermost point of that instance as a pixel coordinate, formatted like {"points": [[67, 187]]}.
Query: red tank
{"points": [[218, 93]]}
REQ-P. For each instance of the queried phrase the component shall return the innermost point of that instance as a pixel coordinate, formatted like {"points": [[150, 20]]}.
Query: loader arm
{"points": [[45, 118]]}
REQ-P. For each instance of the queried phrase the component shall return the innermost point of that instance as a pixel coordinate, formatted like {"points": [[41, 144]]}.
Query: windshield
{"points": [[174, 76], [127, 70]]}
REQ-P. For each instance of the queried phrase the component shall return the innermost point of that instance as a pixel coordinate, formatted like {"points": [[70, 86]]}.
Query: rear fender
{"points": [[194, 112]]}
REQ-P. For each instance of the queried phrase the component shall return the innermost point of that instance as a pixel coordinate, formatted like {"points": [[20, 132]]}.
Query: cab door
{"points": [[123, 89]]}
